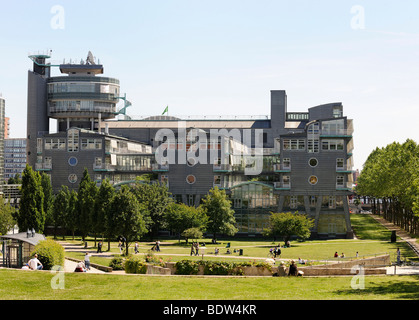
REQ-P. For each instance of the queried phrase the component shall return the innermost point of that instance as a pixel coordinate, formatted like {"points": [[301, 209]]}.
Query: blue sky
{"points": [[223, 57]]}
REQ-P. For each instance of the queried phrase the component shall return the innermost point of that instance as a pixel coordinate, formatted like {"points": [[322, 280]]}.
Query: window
{"points": [[313, 180], [165, 180], [332, 202], [286, 163], [332, 145], [91, 144], [313, 162], [54, 144], [191, 200], [286, 181], [190, 179], [313, 135], [339, 164], [217, 180], [293, 202], [72, 161], [73, 140], [72, 178], [294, 144], [340, 181]]}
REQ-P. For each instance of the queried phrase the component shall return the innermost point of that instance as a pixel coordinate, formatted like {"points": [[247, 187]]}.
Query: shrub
{"points": [[117, 263], [50, 253], [186, 267], [135, 265]]}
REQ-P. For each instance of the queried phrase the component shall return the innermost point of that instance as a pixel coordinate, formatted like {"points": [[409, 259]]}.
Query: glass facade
{"points": [[252, 203]]}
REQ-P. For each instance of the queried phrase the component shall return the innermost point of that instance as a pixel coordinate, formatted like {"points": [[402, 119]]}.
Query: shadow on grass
{"points": [[399, 288]]}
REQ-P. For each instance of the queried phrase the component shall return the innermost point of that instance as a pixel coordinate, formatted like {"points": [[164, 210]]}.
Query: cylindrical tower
{"points": [[81, 99]]}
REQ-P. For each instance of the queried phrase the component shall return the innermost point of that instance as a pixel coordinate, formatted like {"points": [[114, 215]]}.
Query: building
{"points": [[14, 157], [288, 161], [2, 133]]}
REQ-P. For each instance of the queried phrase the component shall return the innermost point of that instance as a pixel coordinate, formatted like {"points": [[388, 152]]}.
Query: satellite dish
{"points": [[90, 59]]}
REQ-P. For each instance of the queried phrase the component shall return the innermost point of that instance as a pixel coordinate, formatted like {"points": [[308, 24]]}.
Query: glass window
{"points": [[190, 179], [313, 162], [312, 180]]}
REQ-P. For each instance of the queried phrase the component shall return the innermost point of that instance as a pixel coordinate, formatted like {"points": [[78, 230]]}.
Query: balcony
{"points": [[348, 186], [282, 168], [338, 133], [43, 166], [160, 167], [103, 167], [282, 185], [344, 169], [222, 168]]}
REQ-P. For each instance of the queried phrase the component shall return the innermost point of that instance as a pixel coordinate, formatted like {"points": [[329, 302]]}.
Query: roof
{"points": [[22, 236]]}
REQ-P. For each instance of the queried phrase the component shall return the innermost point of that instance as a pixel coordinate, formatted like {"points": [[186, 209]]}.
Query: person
{"points": [[136, 247], [26, 267], [197, 249], [193, 248], [357, 255], [398, 256], [336, 254], [343, 255], [228, 251], [301, 261], [99, 247], [293, 271], [87, 260], [35, 264], [120, 246], [157, 245], [216, 251], [80, 267]]}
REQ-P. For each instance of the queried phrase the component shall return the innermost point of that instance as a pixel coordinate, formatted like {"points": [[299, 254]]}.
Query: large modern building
{"points": [[2, 131], [288, 161]]}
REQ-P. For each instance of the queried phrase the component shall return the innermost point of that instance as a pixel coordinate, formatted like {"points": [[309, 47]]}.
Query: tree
{"points": [[287, 224], [7, 220], [70, 219], [48, 198], [129, 216], [85, 204], [179, 217], [192, 233], [103, 221], [221, 219], [155, 198], [31, 213], [61, 208]]}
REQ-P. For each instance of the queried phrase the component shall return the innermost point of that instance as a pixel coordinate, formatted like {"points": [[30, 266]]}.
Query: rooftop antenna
{"points": [[90, 59]]}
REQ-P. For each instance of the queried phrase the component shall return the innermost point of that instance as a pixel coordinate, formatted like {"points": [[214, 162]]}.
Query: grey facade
{"points": [[306, 157]]}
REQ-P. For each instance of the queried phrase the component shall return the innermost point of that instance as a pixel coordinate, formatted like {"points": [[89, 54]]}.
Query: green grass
{"points": [[373, 239], [36, 285]]}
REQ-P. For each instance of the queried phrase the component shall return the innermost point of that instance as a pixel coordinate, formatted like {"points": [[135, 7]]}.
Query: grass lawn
{"points": [[22, 285]]}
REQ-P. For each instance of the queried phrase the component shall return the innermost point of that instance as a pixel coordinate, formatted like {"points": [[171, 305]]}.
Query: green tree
{"points": [[192, 233], [61, 208], [287, 224], [221, 219], [70, 219], [155, 198], [7, 220], [86, 196], [48, 198], [179, 217], [129, 216], [31, 212], [104, 220]]}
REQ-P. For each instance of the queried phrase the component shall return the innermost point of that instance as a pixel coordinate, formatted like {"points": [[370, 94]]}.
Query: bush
{"points": [[186, 267], [50, 253], [117, 263], [135, 265]]}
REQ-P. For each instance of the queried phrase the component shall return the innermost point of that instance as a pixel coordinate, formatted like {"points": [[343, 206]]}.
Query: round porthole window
{"points": [[191, 162], [72, 161], [190, 179], [72, 178], [313, 180], [313, 162]]}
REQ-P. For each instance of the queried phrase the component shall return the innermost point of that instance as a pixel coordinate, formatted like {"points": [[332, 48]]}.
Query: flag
{"points": [[165, 110]]}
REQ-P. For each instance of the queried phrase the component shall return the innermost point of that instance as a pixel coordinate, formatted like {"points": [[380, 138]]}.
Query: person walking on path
{"points": [[87, 260], [99, 247]]}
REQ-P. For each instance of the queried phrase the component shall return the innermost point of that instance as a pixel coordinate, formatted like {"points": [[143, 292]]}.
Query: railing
{"points": [[282, 168], [222, 168], [198, 117], [160, 167], [282, 185], [43, 166]]}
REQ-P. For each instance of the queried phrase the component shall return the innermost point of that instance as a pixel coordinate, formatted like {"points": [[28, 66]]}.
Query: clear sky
{"points": [[223, 57]]}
